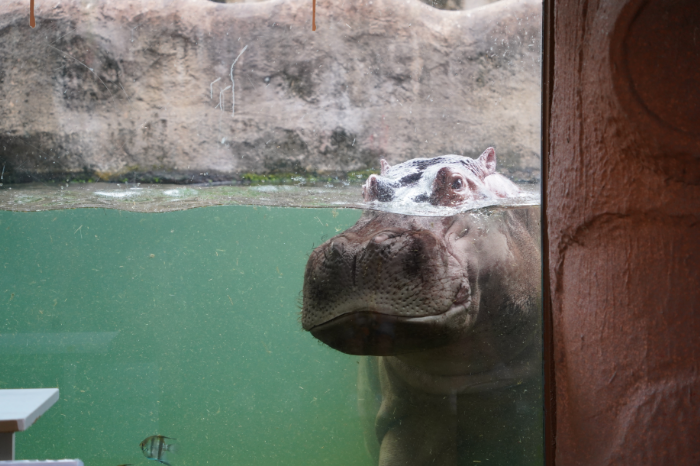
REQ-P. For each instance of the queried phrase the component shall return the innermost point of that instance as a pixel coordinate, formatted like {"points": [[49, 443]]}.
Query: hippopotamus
{"points": [[449, 180], [446, 310]]}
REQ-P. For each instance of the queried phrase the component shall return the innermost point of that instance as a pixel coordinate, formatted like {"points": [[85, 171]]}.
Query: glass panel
{"points": [[339, 295]]}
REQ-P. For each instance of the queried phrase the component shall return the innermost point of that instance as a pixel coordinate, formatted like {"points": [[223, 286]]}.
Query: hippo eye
{"points": [[457, 184]]}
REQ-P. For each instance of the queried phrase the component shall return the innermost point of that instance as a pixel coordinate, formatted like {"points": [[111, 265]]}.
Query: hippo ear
{"points": [[488, 161], [385, 166]]}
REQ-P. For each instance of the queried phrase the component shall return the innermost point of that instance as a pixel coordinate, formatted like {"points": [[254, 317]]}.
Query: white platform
{"points": [[19, 408], [42, 463]]}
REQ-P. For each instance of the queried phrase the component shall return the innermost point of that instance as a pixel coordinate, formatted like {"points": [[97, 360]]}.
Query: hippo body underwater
{"points": [[447, 308]]}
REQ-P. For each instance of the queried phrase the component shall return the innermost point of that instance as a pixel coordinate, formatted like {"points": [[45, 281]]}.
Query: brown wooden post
{"points": [[623, 222]]}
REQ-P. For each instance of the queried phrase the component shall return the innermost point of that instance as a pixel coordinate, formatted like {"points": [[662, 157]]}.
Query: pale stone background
{"points": [[131, 89]]}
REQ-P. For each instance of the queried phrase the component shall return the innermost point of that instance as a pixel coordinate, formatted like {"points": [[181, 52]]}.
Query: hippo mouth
{"points": [[387, 290], [365, 331]]}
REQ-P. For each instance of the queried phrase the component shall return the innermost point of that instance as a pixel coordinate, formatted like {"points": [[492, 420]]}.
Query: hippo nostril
{"points": [[381, 237], [333, 251], [463, 293], [378, 189]]}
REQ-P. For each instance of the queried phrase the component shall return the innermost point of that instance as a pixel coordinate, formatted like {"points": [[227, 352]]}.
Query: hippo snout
{"points": [[382, 291]]}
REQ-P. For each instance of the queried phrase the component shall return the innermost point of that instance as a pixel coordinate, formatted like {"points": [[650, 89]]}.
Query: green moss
{"points": [[355, 177], [360, 175], [277, 178]]}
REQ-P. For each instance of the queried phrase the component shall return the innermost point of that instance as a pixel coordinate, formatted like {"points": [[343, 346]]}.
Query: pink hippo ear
{"points": [[488, 161], [385, 166]]}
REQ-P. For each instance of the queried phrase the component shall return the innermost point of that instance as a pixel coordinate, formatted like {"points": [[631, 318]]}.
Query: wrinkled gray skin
{"points": [[452, 306]]}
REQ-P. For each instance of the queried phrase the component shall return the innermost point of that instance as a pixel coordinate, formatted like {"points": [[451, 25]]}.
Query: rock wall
{"points": [[624, 228], [441, 4], [146, 89]]}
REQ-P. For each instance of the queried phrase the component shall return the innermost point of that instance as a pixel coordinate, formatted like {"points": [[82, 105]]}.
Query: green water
{"points": [[183, 324]]}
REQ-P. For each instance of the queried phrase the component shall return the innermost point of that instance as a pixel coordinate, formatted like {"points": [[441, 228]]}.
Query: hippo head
{"points": [[395, 284], [449, 180]]}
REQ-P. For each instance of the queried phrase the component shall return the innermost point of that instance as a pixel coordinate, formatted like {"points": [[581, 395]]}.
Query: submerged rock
{"points": [[145, 90]]}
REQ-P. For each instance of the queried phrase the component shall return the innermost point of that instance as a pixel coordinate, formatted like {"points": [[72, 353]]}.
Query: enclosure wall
{"points": [[623, 206]]}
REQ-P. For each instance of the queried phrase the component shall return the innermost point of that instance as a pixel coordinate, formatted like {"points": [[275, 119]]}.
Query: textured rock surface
{"points": [[441, 4], [623, 203], [140, 89]]}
